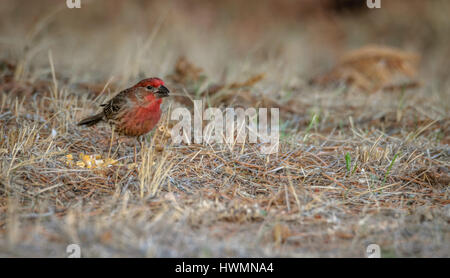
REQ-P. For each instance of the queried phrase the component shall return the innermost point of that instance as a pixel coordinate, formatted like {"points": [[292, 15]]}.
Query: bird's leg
{"points": [[117, 153], [139, 140], [135, 151], [110, 144]]}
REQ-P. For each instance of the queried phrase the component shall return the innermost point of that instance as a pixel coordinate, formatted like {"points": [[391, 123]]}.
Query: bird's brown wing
{"points": [[113, 107]]}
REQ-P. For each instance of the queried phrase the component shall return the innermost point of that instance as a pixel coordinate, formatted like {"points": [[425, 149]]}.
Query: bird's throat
{"points": [[151, 109]]}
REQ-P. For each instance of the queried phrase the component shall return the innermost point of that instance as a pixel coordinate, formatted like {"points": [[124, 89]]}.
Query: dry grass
{"points": [[352, 169]]}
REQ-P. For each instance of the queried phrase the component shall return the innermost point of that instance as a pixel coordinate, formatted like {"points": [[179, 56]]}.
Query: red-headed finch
{"points": [[134, 111]]}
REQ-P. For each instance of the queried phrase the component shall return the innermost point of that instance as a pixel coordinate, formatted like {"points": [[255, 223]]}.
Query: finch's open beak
{"points": [[162, 92]]}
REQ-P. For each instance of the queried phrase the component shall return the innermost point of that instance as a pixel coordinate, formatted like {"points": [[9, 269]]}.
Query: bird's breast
{"points": [[140, 120]]}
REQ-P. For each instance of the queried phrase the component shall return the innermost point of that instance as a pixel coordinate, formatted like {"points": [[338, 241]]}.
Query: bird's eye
{"points": [[150, 87]]}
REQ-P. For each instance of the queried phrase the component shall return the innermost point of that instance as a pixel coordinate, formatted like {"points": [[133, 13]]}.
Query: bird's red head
{"points": [[154, 82], [154, 85]]}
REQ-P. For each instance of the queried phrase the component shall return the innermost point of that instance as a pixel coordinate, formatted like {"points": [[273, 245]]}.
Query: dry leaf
{"points": [[372, 68]]}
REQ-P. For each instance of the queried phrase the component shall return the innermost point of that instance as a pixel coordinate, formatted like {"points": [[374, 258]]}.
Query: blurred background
{"points": [[291, 40]]}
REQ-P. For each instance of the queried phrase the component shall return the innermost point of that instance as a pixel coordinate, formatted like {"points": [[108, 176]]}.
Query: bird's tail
{"points": [[92, 120]]}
